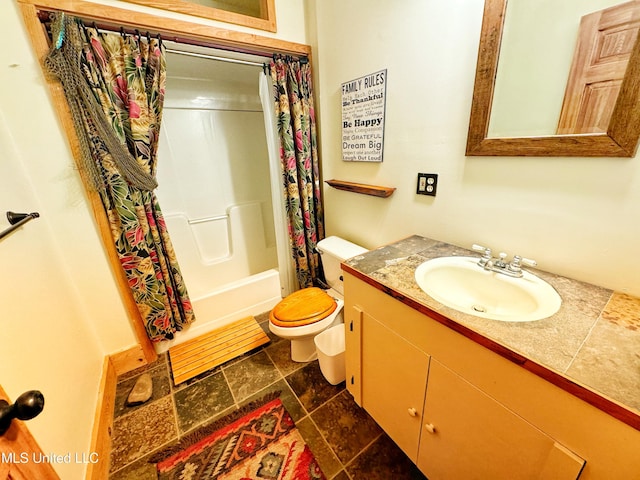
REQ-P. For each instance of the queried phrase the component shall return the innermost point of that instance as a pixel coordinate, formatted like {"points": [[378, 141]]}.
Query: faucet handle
{"points": [[486, 254], [528, 262], [480, 248], [518, 261]]}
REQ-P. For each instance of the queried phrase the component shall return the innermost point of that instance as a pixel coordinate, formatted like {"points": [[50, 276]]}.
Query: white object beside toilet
{"points": [[304, 314], [330, 346]]}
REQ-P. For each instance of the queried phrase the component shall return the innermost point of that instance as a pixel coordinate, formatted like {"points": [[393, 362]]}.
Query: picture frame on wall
{"points": [[260, 14], [363, 111]]}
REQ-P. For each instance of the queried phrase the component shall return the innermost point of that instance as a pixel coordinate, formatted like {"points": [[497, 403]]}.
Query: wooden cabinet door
{"points": [[353, 355], [20, 455], [605, 41], [394, 377], [470, 435]]}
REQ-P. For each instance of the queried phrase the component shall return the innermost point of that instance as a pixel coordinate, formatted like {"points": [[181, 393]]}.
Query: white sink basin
{"points": [[459, 283]]}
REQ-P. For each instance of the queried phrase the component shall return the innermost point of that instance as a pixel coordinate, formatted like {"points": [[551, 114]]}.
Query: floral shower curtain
{"points": [[296, 126], [114, 84]]}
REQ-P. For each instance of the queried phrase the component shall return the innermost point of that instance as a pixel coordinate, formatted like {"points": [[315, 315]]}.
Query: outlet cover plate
{"points": [[427, 184]]}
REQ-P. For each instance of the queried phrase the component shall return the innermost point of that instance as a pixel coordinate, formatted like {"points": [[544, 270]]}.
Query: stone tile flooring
{"points": [[347, 443]]}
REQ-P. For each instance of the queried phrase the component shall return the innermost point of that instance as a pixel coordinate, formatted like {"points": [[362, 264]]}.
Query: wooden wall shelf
{"points": [[374, 190]]}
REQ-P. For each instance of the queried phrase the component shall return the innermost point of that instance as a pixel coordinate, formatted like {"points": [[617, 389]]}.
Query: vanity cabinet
{"points": [[468, 434], [456, 430], [460, 410], [396, 377]]}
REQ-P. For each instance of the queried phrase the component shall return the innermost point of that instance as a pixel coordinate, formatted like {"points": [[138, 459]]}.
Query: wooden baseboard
{"points": [[103, 423], [130, 359], [113, 366]]}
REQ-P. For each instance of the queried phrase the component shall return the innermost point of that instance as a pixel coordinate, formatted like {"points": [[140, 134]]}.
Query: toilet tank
{"points": [[333, 251]]}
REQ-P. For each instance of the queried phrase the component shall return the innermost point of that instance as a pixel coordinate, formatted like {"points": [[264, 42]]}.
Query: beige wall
{"points": [[61, 310], [575, 216]]}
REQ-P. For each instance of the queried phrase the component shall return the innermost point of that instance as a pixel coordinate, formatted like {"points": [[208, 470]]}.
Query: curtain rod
{"points": [[213, 57], [17, 220]]}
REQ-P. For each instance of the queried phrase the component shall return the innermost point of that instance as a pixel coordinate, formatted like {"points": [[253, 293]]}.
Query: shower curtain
{"points": [[288, 282], [114, 84], [293, 92]]}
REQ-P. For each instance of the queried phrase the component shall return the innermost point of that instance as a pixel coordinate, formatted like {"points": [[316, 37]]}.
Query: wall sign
{"points": [[363, 106]]}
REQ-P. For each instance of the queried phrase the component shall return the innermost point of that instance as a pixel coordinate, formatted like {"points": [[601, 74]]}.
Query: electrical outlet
{"points": [[427, 184]]}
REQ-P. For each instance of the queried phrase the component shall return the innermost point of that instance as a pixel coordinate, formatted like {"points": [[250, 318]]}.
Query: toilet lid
{"points": [[303, 307]]}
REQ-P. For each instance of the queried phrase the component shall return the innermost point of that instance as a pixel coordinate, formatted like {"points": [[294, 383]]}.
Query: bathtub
{"points": [[250, 296], [215, 193]]}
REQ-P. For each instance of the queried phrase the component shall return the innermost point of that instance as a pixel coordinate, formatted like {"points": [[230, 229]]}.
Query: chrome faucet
{"points": [[499, 264], [486, 258]]}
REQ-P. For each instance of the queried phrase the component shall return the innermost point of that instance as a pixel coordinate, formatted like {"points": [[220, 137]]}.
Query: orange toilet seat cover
{"points": [[303, 307]]}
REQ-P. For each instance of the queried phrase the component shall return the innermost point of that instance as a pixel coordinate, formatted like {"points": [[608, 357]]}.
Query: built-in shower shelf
{"points": [[375, 190]]}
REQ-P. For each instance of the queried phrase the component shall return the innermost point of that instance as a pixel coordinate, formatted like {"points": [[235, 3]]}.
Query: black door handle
{"points": [[26, 406]]}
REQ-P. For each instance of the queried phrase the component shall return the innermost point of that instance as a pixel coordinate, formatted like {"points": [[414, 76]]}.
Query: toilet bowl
{"points": [[306, 313], [299, 332]]}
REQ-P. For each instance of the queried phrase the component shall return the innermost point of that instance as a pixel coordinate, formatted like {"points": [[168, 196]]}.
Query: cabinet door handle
{"points": [[429, 427], [412, 412]]}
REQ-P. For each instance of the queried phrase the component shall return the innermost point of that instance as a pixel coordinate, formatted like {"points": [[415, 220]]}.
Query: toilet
{"points": [[305, 313]]}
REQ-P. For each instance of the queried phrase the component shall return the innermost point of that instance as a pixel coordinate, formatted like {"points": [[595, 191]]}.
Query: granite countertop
{"points": [[593, 340]]}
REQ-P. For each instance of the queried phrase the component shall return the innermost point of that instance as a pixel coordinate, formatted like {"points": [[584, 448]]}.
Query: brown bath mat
{"points": [[214, 348]]}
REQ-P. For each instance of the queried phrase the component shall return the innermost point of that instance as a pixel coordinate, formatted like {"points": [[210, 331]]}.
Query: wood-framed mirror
{"points": [[260, 14], [619, 140]]}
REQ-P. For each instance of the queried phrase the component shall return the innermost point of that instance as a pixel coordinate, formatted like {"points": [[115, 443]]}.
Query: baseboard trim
{"points": [[130, 359], [103, 423], [114, 365]]}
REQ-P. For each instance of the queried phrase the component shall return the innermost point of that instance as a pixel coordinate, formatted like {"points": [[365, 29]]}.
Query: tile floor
{"points": [[347, 443]]}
